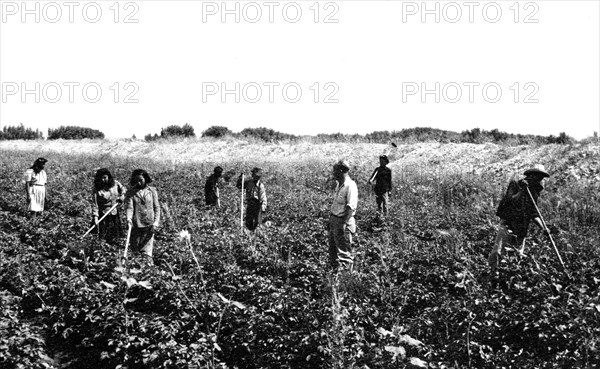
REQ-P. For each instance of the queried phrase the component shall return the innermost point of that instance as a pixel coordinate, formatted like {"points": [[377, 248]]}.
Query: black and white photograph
{"points": [[347, 184]]}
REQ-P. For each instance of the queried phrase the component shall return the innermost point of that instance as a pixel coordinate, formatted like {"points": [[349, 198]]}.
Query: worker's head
{"points": [[536, 173], [103, 179], [256, 173], [38, 164], [140, 178], [340, 169]]}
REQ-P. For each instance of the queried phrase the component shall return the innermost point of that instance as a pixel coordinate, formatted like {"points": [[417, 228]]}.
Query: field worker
{"points": [[516, 211], [341, 221], [382, 177], [143, 212], [256, 198], [211, 190], [107, 193], [35, 179]]}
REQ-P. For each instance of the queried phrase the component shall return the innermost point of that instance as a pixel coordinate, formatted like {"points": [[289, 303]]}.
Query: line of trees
{"points": [[74, 133], [20, 132], [261, 133], [409, 135], [475, 135], [172, 131]]}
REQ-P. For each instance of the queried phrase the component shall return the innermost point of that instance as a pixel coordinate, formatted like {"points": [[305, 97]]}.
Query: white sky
{"points": [[374, 52]]}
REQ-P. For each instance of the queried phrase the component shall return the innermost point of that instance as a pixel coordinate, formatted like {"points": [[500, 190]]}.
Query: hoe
{"points": [[547, 231], [104, 216]]}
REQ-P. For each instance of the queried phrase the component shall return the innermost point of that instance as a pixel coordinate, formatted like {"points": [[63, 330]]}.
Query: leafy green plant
{"points": [[420, 294]]}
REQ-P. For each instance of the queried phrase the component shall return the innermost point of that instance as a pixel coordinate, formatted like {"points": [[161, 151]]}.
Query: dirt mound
{"points": [[565, 162]]}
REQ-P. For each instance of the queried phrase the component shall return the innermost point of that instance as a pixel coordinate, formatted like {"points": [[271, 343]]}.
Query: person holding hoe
{"points": [[256, 198], [342, 224], [382, 177], [516, 210], [143, 212], [211, 190], [107, 195], [35, 179]]}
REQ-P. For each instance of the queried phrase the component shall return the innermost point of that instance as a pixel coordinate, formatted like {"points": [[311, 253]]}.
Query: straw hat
{"points": [[537, 169]]}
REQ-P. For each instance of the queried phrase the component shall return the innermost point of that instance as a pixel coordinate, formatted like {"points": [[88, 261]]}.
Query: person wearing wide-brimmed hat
{"points": [[516, 211], [35, 179], [382, 177], [211, 190], [256, 198], [342, 224]]}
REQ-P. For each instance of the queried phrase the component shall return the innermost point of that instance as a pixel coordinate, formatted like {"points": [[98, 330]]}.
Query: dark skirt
{"points": [[142, 240], [211, 198], [111, 229]]}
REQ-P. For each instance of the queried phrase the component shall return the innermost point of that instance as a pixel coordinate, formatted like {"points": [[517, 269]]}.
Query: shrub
{"points": [[74, 133], [172, 131], [562, 139], [150, 137], [339, 137], [473, 136], [177, 131], [499, 136], [266, 134], [19, 133], [216, 131]]}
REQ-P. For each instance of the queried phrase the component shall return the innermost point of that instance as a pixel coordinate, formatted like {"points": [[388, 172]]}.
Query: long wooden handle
{"points": [[99, 220], [242, 206], [374, 175], [127, 242], [546, 229]]}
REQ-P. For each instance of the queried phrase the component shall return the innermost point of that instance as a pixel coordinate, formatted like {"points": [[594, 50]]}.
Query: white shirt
{"points": [[345, 195], [33, 178]]}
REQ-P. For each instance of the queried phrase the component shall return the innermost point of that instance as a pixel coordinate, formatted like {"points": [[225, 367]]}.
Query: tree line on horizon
{"points": [[21, 132], [403, 136]]}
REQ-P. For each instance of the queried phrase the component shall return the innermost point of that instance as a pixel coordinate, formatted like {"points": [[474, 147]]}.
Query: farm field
{"points": [[420, 294]]}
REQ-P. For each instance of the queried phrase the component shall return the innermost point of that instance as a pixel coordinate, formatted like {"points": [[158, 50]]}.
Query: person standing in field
{"points": [[516, 210], [342, 224], [382, 177], [142, 211], [35, 179], [211, 189], [256, 198], [107, 193]]}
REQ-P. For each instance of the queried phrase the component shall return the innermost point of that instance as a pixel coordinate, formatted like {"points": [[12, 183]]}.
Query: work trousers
{"points": [[253, 214], [340, 241], [504, 237]]}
